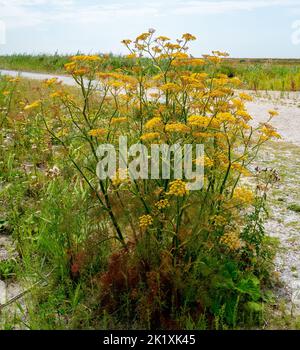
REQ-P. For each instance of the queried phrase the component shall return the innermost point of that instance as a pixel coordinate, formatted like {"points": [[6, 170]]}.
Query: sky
{"points": [[244, 28]]}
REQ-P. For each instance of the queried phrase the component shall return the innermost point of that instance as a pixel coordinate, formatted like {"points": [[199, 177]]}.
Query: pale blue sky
{"points": [[244, 28]]}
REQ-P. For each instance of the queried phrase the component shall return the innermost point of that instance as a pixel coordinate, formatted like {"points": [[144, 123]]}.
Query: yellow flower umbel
{"points": [[177, 128], [219, 220], [51, 82], [226, 117], [178, 188], [268, 132], [97, 132], [203, 122], [205, 161], [245, 97], [188, 37], [121, 177], [150, 136], [119, 120], [145, 221], [231, 240], [33, 105], [162, 204], [273, 113], [85, 58], [154, 123], [170, 87], [243, 195]]}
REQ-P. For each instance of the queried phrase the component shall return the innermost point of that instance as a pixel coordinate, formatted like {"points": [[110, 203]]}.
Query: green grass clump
{"points": [[294, 207]]}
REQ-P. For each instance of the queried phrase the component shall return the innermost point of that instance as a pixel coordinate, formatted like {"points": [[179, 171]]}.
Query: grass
{"points": [[257, 74], [39, 63], [294, 207]]}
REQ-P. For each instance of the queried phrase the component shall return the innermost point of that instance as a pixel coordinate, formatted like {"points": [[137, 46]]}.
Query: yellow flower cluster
{"points": [[269, 132], [154, 123], [245, 115], [206, 161], [212, 59], [150, 136], [243, 195], [13, 80], [142, 37], [57, 94], [231, 240], [85, 58], [145, 221], [202, 121], [97, 132], [121, 177], [188, 37], [226, 117], [273, 113], [193, 62], [245, 97], [177, 127], [126, 42], [33, 105], [81, 71], [241, 169], [132, 55], [178, 188], [50, 82], [162, 204], [219, 220], [162, 38], [118, 120], [171, 87], [202, 134]]}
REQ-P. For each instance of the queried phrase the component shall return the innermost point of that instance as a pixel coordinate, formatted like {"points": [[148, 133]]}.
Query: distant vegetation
{"points": [[257, 74]]}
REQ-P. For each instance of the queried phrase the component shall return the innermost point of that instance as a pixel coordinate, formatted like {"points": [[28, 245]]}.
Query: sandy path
{"points": [[283, 223], [288, 121]]}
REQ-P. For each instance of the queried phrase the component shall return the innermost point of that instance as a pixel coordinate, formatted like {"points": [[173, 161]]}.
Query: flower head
{"points": [[154, 123], [162, 204], [243, 195], [188, 37], [177, 128], [150, 136], [33, 105], [231, 240], [178, 188], [97, 132], [145, 221], [273, 113]]}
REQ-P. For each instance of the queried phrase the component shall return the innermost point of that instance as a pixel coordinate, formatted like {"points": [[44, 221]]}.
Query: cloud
{"points": [[216, 7], [30, 13], [21, 13]]}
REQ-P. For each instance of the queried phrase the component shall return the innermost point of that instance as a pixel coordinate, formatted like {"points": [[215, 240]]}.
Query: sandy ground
{"points": [[288, 106], [284, 155]]}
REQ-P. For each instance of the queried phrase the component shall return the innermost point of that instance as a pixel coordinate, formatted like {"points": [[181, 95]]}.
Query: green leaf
{"points": [[254, 307], [249, 286]]}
